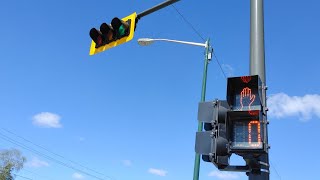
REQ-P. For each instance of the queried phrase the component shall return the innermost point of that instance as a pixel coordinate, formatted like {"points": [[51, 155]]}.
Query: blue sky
{"points": [[131, 112]]}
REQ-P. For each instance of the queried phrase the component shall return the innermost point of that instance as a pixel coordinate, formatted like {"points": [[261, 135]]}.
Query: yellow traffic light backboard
{"points": [[132, 18]]}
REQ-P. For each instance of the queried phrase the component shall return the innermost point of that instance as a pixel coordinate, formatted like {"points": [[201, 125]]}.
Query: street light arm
{"points": [[156, 8], [182, 42]]}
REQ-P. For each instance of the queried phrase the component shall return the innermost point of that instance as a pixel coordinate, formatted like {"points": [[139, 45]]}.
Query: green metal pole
{"points": [[196, 170]]}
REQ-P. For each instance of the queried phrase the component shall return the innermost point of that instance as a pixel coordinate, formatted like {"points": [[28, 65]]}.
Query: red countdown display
{"points": [[246, 134], [245, 130]]}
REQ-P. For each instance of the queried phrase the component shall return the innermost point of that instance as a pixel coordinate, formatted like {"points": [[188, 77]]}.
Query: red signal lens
{"points": [[97, 37]]}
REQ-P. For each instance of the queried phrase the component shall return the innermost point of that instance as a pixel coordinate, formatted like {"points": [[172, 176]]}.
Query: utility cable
{"points": [[39, 175], [22, 176], [46, 156], [194, 29], [274, 168], [60, 156], [224, 74], [197, 32], [17, 175]]}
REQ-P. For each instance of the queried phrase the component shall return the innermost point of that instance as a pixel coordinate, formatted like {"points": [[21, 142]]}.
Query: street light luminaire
{"points": [[145, 41]]}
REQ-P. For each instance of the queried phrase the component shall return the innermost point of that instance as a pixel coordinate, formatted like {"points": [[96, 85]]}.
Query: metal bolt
{"points": [[215, 103], [212, 134]]}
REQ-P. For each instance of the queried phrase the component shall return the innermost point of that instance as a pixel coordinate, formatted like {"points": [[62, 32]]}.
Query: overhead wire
{"points": [[197, 32], [21, 176], [47, 157], [274, 168], [36, 174], [17, 175], [224, 74], [188, 22], [60, 156]]}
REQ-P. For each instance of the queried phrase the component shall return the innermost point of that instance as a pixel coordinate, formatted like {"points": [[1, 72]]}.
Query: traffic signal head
{"points": [[212, 143], [118, 32], [246, 120]]}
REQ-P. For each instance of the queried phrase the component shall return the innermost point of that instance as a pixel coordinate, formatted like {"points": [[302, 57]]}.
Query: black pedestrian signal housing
{"points": [[237, 125], [212, 143], [246, 119]]}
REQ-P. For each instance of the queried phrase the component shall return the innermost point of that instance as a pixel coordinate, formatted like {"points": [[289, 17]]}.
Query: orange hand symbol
{"points": [[246, 98]]}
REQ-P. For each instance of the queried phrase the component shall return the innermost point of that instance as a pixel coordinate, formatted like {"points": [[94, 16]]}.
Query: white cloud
{"points": [[37, 163], [127, 163], [47, 120], [158, 172], [223, 175], [229, 70], [304, 107], [77, 176]]}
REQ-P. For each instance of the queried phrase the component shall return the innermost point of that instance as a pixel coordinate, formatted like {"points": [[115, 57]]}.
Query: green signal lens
{"points": [[122, 31], [120, 27]]}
